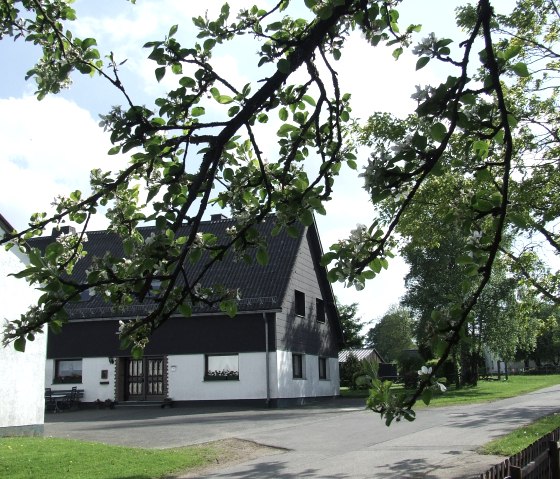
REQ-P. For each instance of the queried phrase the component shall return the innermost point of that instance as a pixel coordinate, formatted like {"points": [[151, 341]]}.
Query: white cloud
{"points": [[48, 148]]}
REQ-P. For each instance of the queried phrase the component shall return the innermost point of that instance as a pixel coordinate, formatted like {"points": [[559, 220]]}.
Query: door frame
{"points": [[122, 379]]}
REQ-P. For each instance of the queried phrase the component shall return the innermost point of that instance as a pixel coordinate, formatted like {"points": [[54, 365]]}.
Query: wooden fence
{"points": [[541, 460]]}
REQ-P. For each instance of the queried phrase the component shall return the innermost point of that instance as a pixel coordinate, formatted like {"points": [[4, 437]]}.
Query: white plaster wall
{"points": [[310, 385], [186, 379], [94, 387], [22, 386]]}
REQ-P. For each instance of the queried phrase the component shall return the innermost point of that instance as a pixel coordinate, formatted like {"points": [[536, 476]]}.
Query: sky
{"points": [[49, 146]]}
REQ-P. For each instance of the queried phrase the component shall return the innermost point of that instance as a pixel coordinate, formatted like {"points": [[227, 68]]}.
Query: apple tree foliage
{"points": [[498, 105]]}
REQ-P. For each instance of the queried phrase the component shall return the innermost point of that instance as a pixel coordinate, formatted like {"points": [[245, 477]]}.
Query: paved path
{"points": [[338, 440]]}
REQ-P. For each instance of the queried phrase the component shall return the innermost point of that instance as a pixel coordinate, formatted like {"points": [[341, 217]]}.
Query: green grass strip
{"points": [[521, 438], [484, 391], [47, 458]]}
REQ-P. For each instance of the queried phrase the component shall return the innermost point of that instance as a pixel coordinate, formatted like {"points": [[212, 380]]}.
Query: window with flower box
{"points": [[221, 367]]}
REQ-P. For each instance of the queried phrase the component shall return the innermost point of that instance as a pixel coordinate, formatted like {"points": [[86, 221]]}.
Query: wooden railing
{"points": [[541, 460]]}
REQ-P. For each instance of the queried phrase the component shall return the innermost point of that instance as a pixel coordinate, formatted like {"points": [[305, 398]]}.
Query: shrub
{"points": [[409, 364], [348, 369]]}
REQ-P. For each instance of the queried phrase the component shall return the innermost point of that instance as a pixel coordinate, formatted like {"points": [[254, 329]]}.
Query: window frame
{"points": [[231, 376], [74, 379], [299, 303], [298, 362], [323, 373], [320, 312]]}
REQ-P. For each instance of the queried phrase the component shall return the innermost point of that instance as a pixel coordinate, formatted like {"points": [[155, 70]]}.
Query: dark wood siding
{"points": [[306, 334], [197, 335]]}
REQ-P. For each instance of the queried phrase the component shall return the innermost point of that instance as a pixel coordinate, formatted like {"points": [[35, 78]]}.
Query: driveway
{"points": [[337, 440]]}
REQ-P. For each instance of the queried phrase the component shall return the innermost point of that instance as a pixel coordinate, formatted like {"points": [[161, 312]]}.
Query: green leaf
{"points": [[397, 52], [327, 258], [215, 93], [419, 141], [187, 82], [283, 114], [233, 111], [173, 30], [480, 148], [375, 265], [464, 260], [198, 111], [160, 73], [292, 231], [422, 62], [438, 132], [114, 150], [224, 99], [185, 310], [229, 307], [285, 129], [520, 69], [137, 352], [19, 345], [262, 256], [283, 66], [88, 42], [309, 99], [427, 396], [306, 218], [209, 44]]}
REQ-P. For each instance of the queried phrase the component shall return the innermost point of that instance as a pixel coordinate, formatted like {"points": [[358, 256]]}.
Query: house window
{"points": [[320, 306], [323, 368], [68, 371], [221, 367], [300, 303], [297, 366]]}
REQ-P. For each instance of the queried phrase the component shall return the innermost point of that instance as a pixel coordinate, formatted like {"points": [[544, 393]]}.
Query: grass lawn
{"points": [[486, 390], [38, 458], [518, 440]]}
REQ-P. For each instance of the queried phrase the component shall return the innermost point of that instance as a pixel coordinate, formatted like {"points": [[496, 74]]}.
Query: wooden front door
{"points": [[144, 379]]}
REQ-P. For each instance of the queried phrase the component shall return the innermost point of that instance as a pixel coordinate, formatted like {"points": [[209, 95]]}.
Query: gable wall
{"points": [[305, 334]]}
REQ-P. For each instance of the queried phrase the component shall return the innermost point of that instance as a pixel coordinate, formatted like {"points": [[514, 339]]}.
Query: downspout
{"points": [[267, 359]]}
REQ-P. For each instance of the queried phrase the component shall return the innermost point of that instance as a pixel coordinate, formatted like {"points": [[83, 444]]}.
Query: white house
{"points": [[22, 390], [281, 348]]}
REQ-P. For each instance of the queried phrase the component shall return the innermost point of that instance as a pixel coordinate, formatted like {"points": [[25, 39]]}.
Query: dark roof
{"points": [[5, 226], [363, 353], [260, 287]]}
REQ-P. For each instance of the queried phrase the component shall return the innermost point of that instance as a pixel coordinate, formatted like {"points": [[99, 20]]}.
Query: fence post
{"points": [[554, 450], [515, 472]]}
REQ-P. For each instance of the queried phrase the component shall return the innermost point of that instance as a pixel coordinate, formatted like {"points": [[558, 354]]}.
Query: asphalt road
{"points": [[337, 440]]}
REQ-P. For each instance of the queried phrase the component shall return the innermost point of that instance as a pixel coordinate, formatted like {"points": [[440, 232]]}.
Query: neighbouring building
{"points": [[22, 402], [281, 348]]}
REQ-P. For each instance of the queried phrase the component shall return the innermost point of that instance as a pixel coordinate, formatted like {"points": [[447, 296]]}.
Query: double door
{"points": [[144, 379]]}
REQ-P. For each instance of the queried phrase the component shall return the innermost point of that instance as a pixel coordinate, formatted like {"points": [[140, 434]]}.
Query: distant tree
{"points": [[547, 349], [348, 369], [351, 326], [392, 334]]}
